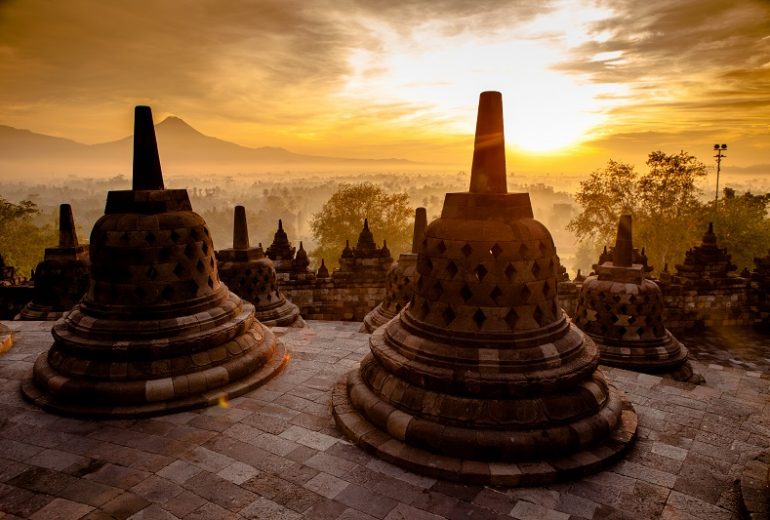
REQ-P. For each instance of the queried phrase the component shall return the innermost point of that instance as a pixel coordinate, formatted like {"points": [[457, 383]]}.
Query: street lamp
{"points": [[719, 149]]}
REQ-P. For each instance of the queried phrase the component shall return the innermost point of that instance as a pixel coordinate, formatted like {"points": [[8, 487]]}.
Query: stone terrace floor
{"points": [[275, 453]]}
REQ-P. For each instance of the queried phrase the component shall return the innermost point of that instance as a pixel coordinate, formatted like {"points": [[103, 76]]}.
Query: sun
{"points": [[442, 74]]}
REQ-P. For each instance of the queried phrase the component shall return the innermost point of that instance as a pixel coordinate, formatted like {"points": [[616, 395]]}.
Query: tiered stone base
{"points": [[666, 357], [6, 339], [165, 365], [34, 312], [378, 317], [390, 446], [755, 489], [284, 315]]}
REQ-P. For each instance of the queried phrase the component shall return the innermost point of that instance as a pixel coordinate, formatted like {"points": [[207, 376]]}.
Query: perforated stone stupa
{"points": [[706, 263], [622, 311], [250, 274], [401, 277], [156, 331], [61, 279], [482, 378]]}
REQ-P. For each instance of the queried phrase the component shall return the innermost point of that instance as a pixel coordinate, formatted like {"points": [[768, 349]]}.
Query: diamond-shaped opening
{"points": [[510, 271], [164, 254], [466, 293], [535, 269], [205, 231], [546, 289], [189, 251], [211, 262], [425, 308], [428, 265], [167, 292], [441, 247], [451, 269], [512, 318], [205, 247], [467, 249], [150, 237], [448, 315], [538, 315], [174, 236], [496, 250], [194, 233], [437, 289], [480, 271], [140, 292], [525, 293], [523, 249], [200, 266], [210, 281], [152, 273], [495, 294], [179, 270], [479, 318], [555, 308], [125, 237]]}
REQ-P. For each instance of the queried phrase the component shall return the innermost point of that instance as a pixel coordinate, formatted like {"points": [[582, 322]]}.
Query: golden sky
{"points": [[583, 81]]}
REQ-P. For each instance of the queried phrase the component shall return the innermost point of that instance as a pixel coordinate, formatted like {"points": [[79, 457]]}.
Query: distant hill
{"points": [[183, 149]]}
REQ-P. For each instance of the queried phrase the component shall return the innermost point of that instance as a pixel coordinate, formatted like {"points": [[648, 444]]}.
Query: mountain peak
{"points": [[174, 122]]}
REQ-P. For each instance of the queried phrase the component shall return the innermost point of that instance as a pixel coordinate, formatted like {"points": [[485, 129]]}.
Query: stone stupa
{"points": [[157, 331], [400, 280], [250, 274], [622, 311], [61, 279], [281, 251], [482, 378]]}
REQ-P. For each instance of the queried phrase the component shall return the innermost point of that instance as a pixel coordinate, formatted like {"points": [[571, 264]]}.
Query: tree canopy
{"points": [[670, 215], [22, 243], [342, 216]]}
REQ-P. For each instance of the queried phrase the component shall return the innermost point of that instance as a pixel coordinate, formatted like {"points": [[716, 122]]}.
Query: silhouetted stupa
{"points": [[401, 277], [156, 331], [622, 311], [61, 279], [482, 378], [249, 274]]}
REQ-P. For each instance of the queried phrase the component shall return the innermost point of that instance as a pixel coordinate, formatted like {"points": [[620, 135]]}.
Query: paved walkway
{"points": [[275, 454]]}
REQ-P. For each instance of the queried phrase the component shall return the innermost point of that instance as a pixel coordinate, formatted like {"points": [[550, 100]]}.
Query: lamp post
{"points": [[719, 149]]}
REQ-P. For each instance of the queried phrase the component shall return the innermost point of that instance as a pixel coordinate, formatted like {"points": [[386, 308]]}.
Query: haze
{"points": [[583, 81]]}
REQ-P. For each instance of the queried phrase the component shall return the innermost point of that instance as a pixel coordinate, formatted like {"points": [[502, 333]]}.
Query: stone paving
{"points": [[275, 454]]}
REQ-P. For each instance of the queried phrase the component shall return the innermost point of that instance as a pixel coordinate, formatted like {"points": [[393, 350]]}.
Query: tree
{"points": [[741, 225], [342, 216], [22, 243], [664, 203]]}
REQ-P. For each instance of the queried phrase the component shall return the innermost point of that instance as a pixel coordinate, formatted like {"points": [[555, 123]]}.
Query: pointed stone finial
{"points": [[147, 172], [623, 244], [280, 224], [366, 224], [711, 227], [323, 271], [488, 170], [67, 235], [420, 223], [240, 229]]}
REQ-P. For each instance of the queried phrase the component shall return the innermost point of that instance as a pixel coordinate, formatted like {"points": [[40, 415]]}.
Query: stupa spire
{"points": [[147, 172], [67, 235], [420, 223], [240, 229], [488, 170], [624, 243]]}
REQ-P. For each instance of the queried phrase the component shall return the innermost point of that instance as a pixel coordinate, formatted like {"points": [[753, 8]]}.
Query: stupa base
{"points": [[287, 315], [6, 339], [216, 396], [669, 362], [387, 447], [376, 318], [33, 312]]}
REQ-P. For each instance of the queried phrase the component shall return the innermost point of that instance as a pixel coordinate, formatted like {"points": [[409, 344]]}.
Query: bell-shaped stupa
{"points": [[250, 274], [482, 378], [157, 331], [61, 279], [400, 280], [622, 311]]}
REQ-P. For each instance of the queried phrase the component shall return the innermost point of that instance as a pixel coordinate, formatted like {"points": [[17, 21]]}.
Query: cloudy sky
{"points": [[582, 80]]}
